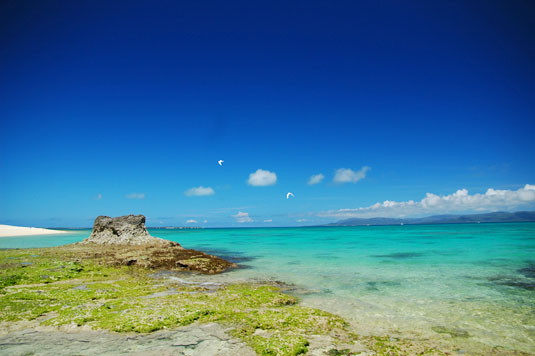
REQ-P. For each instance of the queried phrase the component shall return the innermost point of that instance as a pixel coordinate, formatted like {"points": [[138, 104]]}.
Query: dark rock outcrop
{"points": [[125, 241], [123, 230]]}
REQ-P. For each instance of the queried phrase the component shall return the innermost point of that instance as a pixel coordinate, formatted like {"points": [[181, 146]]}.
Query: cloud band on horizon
{"points": [[458, 202]]}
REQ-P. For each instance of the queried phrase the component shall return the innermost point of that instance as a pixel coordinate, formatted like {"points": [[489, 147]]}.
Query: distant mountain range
{"points": [[499, 216]]}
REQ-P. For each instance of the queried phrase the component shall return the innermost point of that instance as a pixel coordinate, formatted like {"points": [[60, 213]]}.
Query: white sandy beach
{"points": [[8, 230]]}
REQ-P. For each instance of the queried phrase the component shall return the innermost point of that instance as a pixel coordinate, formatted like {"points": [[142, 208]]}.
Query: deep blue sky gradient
{"points": [[100, 97]]}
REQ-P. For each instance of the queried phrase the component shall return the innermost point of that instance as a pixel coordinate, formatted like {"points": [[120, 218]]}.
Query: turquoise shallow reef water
{"points": [[470, 285]]}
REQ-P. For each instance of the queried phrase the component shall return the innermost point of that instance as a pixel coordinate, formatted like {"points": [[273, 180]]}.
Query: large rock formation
{"points": [[125, 241], [123, 230]]}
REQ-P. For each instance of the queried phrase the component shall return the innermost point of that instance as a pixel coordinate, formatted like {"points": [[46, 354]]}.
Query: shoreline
{"points": [[13, 231], [135, 306], [131, 300], [437, 335], [204, 337]]}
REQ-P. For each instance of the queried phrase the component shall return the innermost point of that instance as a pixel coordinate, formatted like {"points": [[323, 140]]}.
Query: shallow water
{"points": [[472, 285]]}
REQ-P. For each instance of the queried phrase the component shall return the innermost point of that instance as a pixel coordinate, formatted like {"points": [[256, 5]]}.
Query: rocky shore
{"points": [[125, 241], [125, 288], [46, 297], [113, 282]]}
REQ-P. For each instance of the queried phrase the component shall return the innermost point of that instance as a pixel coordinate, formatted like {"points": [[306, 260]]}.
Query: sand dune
{"points": [[8, 230]]}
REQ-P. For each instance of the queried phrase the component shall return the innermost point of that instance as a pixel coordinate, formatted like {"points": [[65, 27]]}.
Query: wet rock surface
{"points": [[206, 339]]}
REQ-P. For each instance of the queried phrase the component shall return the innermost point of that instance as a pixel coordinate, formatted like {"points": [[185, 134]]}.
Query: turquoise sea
{"points": [[469, 286]]}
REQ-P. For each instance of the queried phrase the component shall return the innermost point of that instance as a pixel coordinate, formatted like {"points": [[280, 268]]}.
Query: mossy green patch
{"points": [[23, 267], [278, 344], [63, 289], [125, 299]]}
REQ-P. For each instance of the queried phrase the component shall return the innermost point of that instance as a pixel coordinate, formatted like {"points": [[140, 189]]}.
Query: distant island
{"points": [[496, 217]]}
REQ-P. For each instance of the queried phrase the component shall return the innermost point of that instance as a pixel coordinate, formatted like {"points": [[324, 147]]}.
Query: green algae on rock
{"points": [[108, 282], [149, 256], [56, 287], [58, 290], [124, 240]]}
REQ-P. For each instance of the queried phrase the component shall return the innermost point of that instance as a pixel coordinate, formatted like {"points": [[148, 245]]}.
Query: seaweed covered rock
{"points": [[147, 256], [123, 230], [125, 241]]}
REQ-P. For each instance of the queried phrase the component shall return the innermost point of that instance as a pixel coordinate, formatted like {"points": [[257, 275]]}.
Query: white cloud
{"points": [[262, 178], [199, 191], [242, 217], [98, 197], [347, 175], [268, 220], [301, 220], [191, 221], [135, 196], [315, 179], [205, 221], [459, 202]]}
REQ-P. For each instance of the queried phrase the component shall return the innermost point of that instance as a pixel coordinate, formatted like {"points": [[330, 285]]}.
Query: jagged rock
{"points": [[123, 230], [125, 241]]}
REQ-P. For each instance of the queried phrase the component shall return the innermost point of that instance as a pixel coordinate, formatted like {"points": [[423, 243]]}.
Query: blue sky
{"points": [[116, 108]]}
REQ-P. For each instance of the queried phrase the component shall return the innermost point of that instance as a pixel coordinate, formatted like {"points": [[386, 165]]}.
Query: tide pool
{"points": [[470, 287]]}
